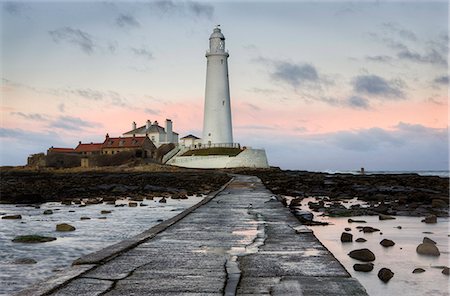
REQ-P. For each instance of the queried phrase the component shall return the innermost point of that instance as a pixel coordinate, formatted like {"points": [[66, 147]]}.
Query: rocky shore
{"points": [[388, 194], [23, 186]]}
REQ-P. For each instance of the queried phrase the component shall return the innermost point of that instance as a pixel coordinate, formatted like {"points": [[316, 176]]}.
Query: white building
{"points": [[217, 127], [190, 141], [156, 133]]}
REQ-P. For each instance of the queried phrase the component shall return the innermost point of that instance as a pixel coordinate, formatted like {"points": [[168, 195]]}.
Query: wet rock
{"points": [[102, 218], [356, 221], [143, 204], [66, 202], [430, 219], [24, 261], [71, 211], [105, 212], [346, 237], [428, 249], [385, 217], [387, 243], [427, 240], [64, 227], [418, 270], [360, 240], [399, 227], [385, 274], [48, 212], [163, 200], [303, 215], [362, 255], [445, 271], [159, 220], [12, 217], [369, 229], [33, 239], [347, 229], [85, 218], [438, 203], [364, 267], [132, 204]]}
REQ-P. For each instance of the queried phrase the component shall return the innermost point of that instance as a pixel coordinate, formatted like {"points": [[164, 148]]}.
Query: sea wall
{"points": [[251, 158]]}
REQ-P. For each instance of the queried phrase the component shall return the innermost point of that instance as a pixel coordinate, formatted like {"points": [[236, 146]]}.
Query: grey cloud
{"points": [[188, 8], [396, 28], [127, 20], [441, 80], [365, 140], [152, 111], [295, 74], [117, 99], [87, 93], [357, 102], [72, 123], [379, 58], [31, 116], [13, 8], [378, 86], [74, 36], [431, 57], [142, 52]]}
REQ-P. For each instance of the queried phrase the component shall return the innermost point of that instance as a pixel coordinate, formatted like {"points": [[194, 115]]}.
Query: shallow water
{"points": [[89, 236], [402, 258]]}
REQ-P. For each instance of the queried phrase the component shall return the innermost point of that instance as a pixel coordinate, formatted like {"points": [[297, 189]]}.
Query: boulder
{"points": [[385, 217], [430, 219], [347, 229], [356, 221], [163, 200], [368, 229], [64, 227], [24, 261], [48, 212], [66, 202], [105, 212], [12, 217], [132, 204], [445, 271], [418, 270], [346, 237], [427, 240], [85, 218], [32, 239], [385, 274], [387, 243], [303, 215], [360, 240], [362, 255], [364, 267], [428, 249]]}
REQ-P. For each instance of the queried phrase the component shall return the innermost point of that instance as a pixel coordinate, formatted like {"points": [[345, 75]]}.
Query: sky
{"points": [[320, 85]]}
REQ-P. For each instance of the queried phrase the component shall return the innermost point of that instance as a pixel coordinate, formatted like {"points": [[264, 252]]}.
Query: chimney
{"points": [[155, 123], [79, 142], [107, 136], [133, 126], [148, 124], [169, 132]]}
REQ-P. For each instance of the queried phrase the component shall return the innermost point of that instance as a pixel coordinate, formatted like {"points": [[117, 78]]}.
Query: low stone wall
{"points": [[251, 158]]}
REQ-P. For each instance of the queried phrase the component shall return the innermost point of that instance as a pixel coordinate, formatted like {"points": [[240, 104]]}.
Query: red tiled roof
{"points": [[62, 150], [126, 142], [92, 147]]}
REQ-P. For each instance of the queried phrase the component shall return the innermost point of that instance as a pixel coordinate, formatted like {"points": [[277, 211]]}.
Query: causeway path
{"points": [[242, 241]]}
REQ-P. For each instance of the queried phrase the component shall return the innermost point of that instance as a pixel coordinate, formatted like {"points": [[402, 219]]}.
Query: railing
{"points": [[215, 145], [170, 154]]}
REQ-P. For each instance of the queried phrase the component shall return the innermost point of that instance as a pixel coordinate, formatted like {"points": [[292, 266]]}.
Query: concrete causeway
{"points": [[242, 241]]}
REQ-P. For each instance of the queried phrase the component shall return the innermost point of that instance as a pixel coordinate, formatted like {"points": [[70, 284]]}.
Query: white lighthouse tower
{"points": [[217, 127]]}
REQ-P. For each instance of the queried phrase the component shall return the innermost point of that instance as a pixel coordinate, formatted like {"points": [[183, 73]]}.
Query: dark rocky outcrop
{"points": [[387, 243], [385, 217], [428, 249], [431, 219], [24, 261], [445, 270], [364, 267], [385, 274], [12, 217], [346, 237], [33, 239], [362, 255], [418, 270], [65, 227], [360, 240]]}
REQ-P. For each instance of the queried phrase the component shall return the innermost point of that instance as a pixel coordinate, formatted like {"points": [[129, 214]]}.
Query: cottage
{"points": [[190, 141], [142, 146], [155, 132]]}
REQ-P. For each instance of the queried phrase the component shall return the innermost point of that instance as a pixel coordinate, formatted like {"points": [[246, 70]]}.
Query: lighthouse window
{"points": [[221, 61], [223, 103]]}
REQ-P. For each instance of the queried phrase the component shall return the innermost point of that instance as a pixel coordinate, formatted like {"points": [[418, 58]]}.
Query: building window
{"points": [[223, 103], [221, 61]]}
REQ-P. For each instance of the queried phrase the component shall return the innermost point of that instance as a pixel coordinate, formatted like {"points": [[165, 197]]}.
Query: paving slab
{"points": [[242, 241]]}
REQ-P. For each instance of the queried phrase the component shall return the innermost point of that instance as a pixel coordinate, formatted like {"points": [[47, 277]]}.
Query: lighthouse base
{"points": [[250, 158]]}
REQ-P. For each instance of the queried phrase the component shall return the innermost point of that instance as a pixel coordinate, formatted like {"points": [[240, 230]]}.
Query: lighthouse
{"points": [[217, 128]]}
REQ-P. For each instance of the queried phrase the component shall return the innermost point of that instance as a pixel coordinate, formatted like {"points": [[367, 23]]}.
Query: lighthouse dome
{"points": [[217, 34]]}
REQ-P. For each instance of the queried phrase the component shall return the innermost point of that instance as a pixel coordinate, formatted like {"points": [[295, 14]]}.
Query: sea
{"points": [[441, 173]]}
